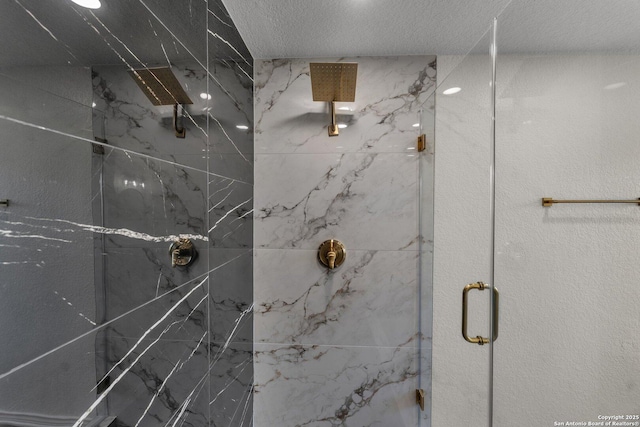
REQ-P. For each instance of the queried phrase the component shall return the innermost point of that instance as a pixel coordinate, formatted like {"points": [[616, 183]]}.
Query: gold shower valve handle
{"points": [[331, 258], [182, 252], [332, 253]]}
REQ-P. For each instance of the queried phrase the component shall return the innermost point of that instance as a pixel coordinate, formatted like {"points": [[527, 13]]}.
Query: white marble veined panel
{"points": [[389, 95], [366, 200], [371, 300], [326, 386]]}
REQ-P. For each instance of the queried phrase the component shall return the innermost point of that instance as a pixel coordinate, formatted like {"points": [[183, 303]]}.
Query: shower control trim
{"points": [[332, 253], [182, 252]]}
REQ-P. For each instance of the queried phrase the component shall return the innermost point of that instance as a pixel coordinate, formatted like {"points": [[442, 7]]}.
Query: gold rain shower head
{"points": [[162, 87], [333, 82]]}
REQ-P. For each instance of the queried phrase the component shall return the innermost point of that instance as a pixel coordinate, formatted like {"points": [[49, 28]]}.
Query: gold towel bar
{"points": [[547, 201]]}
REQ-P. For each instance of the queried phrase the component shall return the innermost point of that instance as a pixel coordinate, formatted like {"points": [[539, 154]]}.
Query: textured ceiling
{"points": [[151, 32], [334, 28]]}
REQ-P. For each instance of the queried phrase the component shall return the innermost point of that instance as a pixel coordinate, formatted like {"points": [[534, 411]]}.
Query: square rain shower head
{"points": [[333, 81], [161, 86]]}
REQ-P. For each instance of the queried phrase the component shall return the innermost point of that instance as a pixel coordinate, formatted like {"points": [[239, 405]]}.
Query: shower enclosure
{"points": [[98, 326], [547, 108]]}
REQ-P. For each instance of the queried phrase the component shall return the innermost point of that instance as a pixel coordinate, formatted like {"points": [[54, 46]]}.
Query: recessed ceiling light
{"points": [[204, 95], [89, 4], [344, 108], [342, 126], [242, 127], [451, 91], [93, 104], [615, 86], [415, 125]]}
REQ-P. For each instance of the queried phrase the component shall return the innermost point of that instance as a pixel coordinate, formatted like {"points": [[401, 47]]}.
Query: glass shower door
{"points": [[567, 129], [462, 237]]}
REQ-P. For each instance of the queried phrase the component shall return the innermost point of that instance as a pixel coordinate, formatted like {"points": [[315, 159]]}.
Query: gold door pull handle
{"points": [[496, 311]]}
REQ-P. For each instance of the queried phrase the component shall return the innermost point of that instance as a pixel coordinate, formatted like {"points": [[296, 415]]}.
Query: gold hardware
{"points": [[547, 201], [161, 86], [333, 127], [4, 203], [496, 312], [422, 142], [182, 252], [332, 253], [333, 82], [420, 398]]}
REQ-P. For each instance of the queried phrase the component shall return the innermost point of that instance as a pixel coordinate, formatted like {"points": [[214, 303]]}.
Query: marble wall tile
{"points": [[224, 39], [158, 348], [226, 137], [159, 351], [134, 123], [133, 33], [25, 102], [127, 204], [341, 347], [168, 383], [48, 391], [231, 335], [390, 92], [148, 203], [45, 242], [231, 296], [235, 166], [231, 401], [135, 276], [152, 198], [371, 300], [230, 223], [298, 385], [230, 213], [365, 200], [185, 21], [231, 89]]}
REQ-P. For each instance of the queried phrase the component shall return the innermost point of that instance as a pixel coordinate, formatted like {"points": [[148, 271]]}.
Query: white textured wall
{"points": [[568, 274], [568, 346]]}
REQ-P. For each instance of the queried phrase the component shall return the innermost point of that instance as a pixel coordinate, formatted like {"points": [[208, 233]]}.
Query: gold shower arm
{"points": [[333, 127]]}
